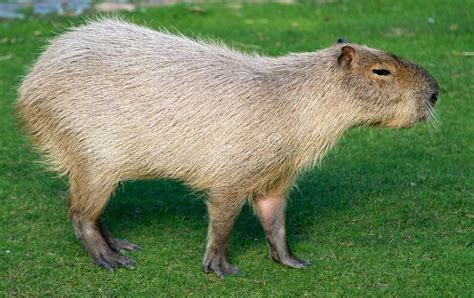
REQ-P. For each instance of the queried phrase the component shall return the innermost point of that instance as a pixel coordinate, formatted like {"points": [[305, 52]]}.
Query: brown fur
{"points": [[112, 101]]}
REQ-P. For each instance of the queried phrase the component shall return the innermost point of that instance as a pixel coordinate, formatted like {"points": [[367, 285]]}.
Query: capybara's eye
{"points": [[381, 72]]}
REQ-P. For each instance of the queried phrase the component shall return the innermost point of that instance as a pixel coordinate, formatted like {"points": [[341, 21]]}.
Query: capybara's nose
{"points": [[434, 98]]}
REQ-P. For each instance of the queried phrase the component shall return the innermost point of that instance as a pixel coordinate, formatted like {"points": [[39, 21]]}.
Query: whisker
{"points": [[433, 123]]}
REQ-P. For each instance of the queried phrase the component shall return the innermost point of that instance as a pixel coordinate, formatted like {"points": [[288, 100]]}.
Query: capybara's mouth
{"points": [[391, 124]]}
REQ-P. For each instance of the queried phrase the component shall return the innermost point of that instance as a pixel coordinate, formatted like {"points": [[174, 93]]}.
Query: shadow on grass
{"points": [[338, 184]]}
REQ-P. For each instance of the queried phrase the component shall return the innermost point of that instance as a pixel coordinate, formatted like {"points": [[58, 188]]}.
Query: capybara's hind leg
{"points": [[271, 210], [93, 241], [86, 204], [222, 213]]}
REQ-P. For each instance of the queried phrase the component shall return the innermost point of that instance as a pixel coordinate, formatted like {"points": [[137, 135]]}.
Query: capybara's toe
{"points": [[120, 245], [113, 260]]}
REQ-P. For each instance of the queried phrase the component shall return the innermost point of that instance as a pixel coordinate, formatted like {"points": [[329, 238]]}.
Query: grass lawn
{"points": [[387, 212]]}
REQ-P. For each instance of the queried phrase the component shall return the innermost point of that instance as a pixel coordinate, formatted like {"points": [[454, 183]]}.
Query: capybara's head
{"points": [[391, 91]]}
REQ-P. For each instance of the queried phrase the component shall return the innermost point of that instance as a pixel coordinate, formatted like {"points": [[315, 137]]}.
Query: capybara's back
{"points": [[118, 99], [112, 101]]}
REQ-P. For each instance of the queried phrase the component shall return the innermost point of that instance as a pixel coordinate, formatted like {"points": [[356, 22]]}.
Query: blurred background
{"points": [[11, 9]]}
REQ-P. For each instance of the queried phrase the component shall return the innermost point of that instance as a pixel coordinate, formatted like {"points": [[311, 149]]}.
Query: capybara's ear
{"points": [[342, 40], [347, 56]]}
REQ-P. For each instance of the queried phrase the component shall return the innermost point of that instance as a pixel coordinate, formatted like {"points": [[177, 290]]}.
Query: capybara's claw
{"points": [[120, 245], [300, 263]]}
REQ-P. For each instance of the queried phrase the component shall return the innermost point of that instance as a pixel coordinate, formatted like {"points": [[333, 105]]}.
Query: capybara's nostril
{"points": [[434, 98]]}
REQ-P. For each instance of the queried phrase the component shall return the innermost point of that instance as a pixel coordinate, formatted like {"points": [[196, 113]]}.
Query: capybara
{"points": [[112, 101]]}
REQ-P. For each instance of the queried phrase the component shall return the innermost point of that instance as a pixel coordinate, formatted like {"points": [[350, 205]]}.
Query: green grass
{"points": [[387, 212]]}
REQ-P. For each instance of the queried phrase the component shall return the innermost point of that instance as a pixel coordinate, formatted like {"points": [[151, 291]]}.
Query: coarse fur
{"points": [[112, 101]]}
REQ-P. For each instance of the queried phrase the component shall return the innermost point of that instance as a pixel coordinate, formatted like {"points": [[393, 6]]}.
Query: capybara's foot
{"points": [[219, 265]]}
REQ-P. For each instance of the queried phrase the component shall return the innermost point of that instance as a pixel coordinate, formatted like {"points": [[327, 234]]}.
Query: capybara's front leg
{"points": [[222, 213], [271, 209]]}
